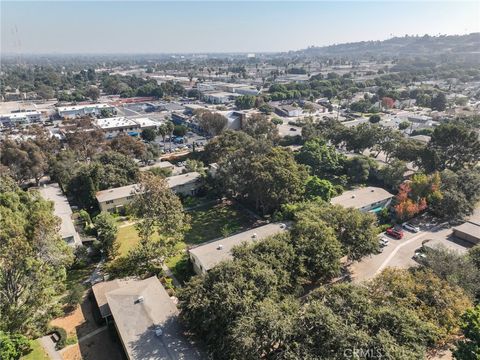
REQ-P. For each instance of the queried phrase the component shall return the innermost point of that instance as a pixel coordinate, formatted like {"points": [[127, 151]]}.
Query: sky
{"points": [[99, 27]]}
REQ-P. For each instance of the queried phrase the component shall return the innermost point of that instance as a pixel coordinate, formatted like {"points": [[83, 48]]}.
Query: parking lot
{"points": [[400, 253]]}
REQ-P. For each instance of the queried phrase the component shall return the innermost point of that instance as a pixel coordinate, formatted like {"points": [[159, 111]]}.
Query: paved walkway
{"points": [[169, 273], [49, 347]]}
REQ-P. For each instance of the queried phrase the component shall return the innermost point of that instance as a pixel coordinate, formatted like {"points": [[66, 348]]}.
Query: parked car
{"points": [[419, 256], [383, 241], [396, 233], [411, 227], [293, 129]]}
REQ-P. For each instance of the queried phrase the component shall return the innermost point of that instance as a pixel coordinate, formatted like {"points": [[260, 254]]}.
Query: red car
{"points": [[397, 234]]}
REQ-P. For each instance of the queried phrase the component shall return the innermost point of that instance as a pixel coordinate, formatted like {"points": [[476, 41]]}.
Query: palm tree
{"points": [[170, 127], [162, 131]]}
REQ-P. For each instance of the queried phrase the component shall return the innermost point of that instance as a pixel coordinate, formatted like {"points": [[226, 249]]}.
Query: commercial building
{"points": [[468, 231], [20, 118], [116, 198], [206, 256], [115, 126], [61, 208], [145, 318], [219, 97], [288, 110], [74, 111], [366, 199]]}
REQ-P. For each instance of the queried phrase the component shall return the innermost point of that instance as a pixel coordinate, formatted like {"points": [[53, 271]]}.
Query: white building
{"points": [[74, 111], [20, 118], [61, 208], [118, 125]]}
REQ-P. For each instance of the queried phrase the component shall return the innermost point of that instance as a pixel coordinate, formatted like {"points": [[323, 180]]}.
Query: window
{"points": [[109, 202], [130, 197]]}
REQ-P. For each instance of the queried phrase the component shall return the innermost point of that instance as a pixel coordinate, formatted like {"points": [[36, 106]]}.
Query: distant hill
{"points": [[403, 46]]}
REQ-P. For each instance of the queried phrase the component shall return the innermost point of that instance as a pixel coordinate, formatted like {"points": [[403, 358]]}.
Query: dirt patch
{"points": [[78, 322]]}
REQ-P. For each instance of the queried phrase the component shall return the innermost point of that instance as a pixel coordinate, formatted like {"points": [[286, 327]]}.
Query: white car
{"points": [[383, 241], [411, 227]]}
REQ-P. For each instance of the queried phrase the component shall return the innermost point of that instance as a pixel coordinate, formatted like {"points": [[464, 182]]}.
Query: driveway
{"points": [[399, 253]]}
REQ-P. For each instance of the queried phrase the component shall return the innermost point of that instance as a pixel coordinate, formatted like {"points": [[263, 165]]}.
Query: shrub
{"points": [[62, 334], [277, 121], [75, 295]]}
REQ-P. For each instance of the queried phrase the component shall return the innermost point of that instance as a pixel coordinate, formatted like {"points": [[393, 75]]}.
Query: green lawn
{"points": [[37, 352], [214, 221], [207, 223]]}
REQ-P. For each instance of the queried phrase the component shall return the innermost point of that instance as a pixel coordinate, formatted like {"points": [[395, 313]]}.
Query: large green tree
{"points": [[33, 259], [107, 229]]}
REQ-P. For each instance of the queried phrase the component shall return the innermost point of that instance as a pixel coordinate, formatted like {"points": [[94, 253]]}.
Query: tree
{"points": [[374, 119], [360, 168], [75, 296], [158, 210], [33, 259], [128, 145], [13, 346], [407, 207], [194, 165], [439, 102], [355, 231], [404, 125], [107, 230], [180, 130], [458, 194], [392, 174], [148, 135], [93, 93], [318, 249], [266, 179], [316, 187], [388, 102], [452, 146], [324, 160], [86, 143], [245, 102], [212, 123], [25, 160], [258, 126], [226, 144], [469, 348]]}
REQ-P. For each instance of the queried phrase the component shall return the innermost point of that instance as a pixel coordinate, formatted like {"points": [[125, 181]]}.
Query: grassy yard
{"points": [[216, 221], [37, 352], [207, 223]]}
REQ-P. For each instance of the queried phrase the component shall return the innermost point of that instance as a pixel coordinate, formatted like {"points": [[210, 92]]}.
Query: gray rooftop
{"points": [[116, 193], [469, 227], [210, 254], [124, 191], [141, 308], [361, 197], [52, 192]]}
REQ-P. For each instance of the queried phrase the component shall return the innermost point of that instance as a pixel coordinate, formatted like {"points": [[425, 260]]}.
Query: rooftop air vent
{"points": [[220, 247], [140, 300], [158, 331]]}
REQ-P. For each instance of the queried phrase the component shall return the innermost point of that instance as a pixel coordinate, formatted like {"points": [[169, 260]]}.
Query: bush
{"points": [[277, 121], [75, 295], [62, 334]]}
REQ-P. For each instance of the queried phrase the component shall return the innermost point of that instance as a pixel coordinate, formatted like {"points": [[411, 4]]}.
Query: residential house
{"points": [[116, 198], [61, 208], [468, 231], [365, 199], [208, 255], [146, 319]]}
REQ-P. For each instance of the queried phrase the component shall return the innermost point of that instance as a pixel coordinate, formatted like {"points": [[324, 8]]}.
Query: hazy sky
{"points": [[227, 26]]}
